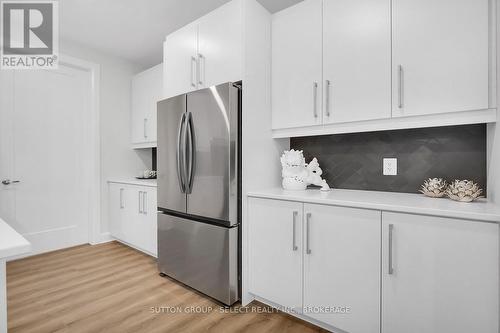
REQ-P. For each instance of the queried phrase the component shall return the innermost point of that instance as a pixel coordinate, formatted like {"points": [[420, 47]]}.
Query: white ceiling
{"points": [[132, 29]]}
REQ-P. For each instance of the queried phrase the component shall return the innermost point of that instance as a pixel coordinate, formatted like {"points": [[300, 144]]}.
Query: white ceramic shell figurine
{"points": [[434, 187], [297, 174], [464, 191], [315, 173], [294, 170]]}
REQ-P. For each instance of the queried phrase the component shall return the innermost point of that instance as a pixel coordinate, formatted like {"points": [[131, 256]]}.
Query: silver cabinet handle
{"points": [[193, 71], [144, 203], [180, 154], [390, 269], [327, 98], [201, 71], [140, 202], [315, 99], [121, 199], [145, 128], [294, 243], [308, 222], [8, 181], [401, 73]]}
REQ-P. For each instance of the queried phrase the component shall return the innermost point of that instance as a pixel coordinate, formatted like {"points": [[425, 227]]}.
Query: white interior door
{"points": [[45, 118]]}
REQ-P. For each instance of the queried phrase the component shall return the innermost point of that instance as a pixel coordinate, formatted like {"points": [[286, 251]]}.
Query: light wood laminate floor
{"points": [[113, 288]]}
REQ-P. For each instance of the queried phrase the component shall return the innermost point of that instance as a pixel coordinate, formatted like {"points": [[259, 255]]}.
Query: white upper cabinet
{"points": [[220, 46], [342, 266], [296, 65], [147, 89], [439, 275], [382, 65], [440, 56], [356, 60], [180, 58], [207, 52]]}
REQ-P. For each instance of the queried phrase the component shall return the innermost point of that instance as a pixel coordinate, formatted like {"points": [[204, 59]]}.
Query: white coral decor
{"points": [[434, 187], [464, 191], [297, 174]]}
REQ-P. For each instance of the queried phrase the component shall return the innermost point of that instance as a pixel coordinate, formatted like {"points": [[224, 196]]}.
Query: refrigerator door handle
{"points": [[180, 154], [191, 155]]}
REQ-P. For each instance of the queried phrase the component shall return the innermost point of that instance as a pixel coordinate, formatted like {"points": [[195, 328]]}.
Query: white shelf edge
{"points": [[396, 123]]}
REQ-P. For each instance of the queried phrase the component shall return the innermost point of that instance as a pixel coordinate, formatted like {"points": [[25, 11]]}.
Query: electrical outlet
{"points": [[390, 166]]}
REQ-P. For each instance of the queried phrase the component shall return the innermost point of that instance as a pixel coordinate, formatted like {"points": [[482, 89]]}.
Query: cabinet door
{"points": [[121, 210], [115, 207], [147, 233], [297, 65], [147, 90], [444, 275], [342, 267], [276, 251], [357, 60], [220, 46], [440, 56], [179, 61]]}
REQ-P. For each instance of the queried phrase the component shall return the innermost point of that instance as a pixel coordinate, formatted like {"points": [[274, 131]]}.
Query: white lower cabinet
{"points": [[276, 251], [362, 271], [342, 267], [132, 216], [338, 281], [444, 275]]}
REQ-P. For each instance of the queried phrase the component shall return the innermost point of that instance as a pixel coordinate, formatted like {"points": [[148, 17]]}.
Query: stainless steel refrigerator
{"points": [[199, 200]]}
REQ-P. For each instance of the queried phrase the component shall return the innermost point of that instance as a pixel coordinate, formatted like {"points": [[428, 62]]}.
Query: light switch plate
{"points": [[390, 166]]}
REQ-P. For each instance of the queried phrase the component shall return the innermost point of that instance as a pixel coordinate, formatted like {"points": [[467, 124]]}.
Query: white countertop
{"points": [[134, 181], [481, 210], [11, 242]]}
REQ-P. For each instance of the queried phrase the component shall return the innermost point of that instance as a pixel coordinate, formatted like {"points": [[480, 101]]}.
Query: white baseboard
{"points": [[301, 316], [104, 237]]}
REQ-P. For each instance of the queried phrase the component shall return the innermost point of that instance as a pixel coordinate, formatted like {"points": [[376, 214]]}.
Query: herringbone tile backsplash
{"points": [[354, 161]]}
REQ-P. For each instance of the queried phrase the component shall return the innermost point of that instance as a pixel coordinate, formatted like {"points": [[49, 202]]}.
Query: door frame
{"points": [[94, 145]]}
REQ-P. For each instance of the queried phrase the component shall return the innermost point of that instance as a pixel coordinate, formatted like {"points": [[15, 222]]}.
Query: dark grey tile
{"points": [[354, 161]]}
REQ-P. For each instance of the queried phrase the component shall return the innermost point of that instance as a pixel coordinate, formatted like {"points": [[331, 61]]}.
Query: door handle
{"points": [[180, 154], [145, 128], [315, 99], [8, 181], [140, 202], [201, 71], [401, 73], [308, 222], [193, 72], [144, 203], [294, 244], [191, 153], [390, 269], [327, 98], [121, 199]]}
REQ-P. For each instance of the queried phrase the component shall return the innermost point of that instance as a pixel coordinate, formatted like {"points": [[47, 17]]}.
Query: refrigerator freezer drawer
{"points": [[200, 255]]}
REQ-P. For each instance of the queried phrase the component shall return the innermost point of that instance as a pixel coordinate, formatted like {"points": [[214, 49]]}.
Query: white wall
{"points": [[117, 157]]}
